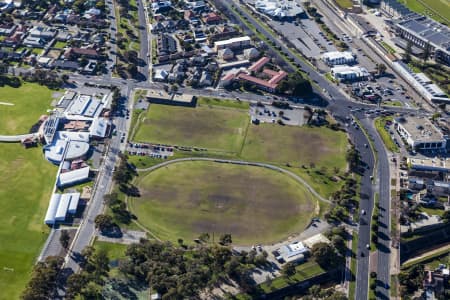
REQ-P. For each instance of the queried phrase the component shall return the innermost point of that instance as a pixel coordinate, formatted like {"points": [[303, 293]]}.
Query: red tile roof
{"points": [[257, 81], [259, 64], [278, 77]]}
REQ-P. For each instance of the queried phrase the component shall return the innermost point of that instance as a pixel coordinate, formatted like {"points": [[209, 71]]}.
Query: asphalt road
{"points": [[143, 36], [340, 107], [102, 186], [384, 240]]}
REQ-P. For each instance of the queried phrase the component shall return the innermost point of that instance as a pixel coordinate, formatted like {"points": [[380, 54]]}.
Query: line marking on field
{"points": [[7, 103]]}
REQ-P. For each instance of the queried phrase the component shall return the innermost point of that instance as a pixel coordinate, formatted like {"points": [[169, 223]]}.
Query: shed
{"points": [[52, 208]]}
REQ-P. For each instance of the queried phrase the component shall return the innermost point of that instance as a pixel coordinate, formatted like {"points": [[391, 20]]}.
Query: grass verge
{"points": [[380, 124]]}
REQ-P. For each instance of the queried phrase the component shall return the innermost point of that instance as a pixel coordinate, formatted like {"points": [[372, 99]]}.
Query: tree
{"points": [[225, 239], [204, 237], [426, 52], [381, 69], [288, 269], [446, 216], [325, 255], [408, 52], [315, 291], [64, 239], [43, 279], [103, 222]]}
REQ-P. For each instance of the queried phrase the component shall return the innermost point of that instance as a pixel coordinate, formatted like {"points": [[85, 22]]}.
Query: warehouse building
{"points": [[60, 205]]}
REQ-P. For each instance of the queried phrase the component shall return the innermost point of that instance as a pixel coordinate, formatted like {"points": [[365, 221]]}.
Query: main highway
{"points": [[340, 106]]}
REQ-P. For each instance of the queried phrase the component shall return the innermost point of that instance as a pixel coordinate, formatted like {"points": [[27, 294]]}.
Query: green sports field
{"points": [[29, 101], [254, 204], [296, 145], [215, 127], [25, 189], [436, 9]]}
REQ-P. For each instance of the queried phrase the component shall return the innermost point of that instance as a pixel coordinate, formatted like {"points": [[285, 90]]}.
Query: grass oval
{"points": [[254, 204]]}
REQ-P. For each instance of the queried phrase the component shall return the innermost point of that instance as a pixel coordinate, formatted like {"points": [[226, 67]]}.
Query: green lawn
{"points": [[60, 45], [392, 103], [255, 205], [344, 3], [433, 260], [25, 190], [352, 286], [372, 291], [304, 271], [209, 101], [115, 251], [296, 145], [384, 134], [216, 128], [388, 48], [30, 102], [436, 9]]}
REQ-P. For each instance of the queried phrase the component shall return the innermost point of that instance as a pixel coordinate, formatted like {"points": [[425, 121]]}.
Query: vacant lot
{"points": [[436, 9], [25, 189], [254, 204], [214, 127], [296, 145], [29, 101]]}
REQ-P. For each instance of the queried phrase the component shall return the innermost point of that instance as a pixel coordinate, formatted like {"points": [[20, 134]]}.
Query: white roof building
{"points": [[420, 133], [334, 58], [60, 205], [160, 74], [67, 145], [98, 127], [226, 54], [251, 53], [294, 252], [421, 83], [74, 199], [234, 43], [63, 206], [52, 208], [279, 8], [84, 106], [73, 177], [349, 73]]}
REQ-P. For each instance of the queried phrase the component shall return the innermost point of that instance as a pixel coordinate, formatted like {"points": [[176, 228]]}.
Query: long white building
{"points": [[347, 73], [334, 58], [234, 43]]}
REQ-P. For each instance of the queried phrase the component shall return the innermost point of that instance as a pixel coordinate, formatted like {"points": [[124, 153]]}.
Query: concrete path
{"points": [[16, 138], [128, 237], [240, 162]]}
